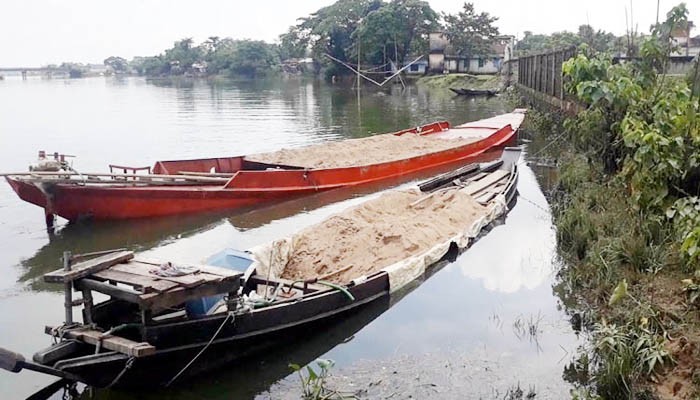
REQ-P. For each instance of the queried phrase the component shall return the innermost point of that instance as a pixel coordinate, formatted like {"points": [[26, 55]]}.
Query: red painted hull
{"points": [[246, 188]]}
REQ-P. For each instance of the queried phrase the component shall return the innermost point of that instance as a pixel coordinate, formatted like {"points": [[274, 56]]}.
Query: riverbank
{"points": [[459, 81], [623, 282]]}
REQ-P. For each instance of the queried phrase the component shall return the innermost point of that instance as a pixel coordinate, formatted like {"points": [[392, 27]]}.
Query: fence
{"points": [[542, 72]]}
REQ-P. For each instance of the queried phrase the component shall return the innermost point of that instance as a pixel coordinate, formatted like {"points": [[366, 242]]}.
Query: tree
{"points": [[401, 27], [330, 29], [470, 33], [75, 70], [118, 64], [294, 43], [150, 66], [219, 60], [210, 45], [182, 55], [251, 57], [597, 41]]}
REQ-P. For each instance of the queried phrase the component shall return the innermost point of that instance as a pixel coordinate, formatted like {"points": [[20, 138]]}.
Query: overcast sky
{"points": [[38, 32]]}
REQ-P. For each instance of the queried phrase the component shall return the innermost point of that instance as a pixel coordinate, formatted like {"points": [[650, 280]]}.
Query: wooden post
{"points": [[87, 302], [553, 72], [68, 287]]}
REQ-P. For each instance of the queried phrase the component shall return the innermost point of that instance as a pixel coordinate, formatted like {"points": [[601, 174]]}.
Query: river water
{"points": [[477, 328]]}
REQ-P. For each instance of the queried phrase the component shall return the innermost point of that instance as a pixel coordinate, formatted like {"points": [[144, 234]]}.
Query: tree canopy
{"points": [[118, 64], [215, 56], [599, 41], [470, 33], [375, 29]]}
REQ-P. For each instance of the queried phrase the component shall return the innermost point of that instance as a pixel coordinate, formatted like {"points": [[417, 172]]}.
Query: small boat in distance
{"points": [[474, 92], [215, 184], [164, 322]]}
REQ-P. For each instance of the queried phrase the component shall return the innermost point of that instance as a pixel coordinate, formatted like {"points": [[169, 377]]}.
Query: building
{"points": [[686, 45], [419, 67], [443, 58]]}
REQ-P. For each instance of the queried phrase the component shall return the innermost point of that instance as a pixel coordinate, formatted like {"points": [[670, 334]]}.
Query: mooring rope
{"points": [[561, 135], [127, 366], [229, 315]]}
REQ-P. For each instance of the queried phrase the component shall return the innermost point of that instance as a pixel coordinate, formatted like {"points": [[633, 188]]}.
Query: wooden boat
{"points": [[158, 326], [207, 185], [474, 92]]}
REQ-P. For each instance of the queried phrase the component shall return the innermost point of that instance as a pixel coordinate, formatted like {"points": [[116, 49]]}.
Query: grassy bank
{"points": [[627, 212], [446, 81], [624, 281]]}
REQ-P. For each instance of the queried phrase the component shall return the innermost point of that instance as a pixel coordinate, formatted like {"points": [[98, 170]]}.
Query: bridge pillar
{"points": [[24, 75]]}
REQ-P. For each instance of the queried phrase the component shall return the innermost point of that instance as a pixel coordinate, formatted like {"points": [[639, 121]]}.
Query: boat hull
{"points": [[248, 336], [246, 189]]}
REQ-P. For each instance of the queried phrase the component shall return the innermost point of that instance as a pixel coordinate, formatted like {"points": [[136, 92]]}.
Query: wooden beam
{"points": [[85, 268], [126, 177], [486, 182], [114, 343], [121, 293]]}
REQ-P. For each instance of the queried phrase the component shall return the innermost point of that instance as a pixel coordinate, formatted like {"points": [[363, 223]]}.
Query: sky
{"points": [[40, 32]]}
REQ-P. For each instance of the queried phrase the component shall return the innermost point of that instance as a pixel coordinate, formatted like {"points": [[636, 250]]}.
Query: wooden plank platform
{"points": [[85, 268], [153, 292], [146, 284], [136, 268]]}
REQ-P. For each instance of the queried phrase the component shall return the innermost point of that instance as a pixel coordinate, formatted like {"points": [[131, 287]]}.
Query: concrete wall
{"points": [[490, 65]]}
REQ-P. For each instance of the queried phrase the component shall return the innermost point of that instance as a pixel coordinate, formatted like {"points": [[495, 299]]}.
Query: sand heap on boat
{"points": [[378, 233], [363, 151]]}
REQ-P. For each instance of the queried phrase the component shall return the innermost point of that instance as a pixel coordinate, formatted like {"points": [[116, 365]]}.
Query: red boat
{"points": [[210, 184]]}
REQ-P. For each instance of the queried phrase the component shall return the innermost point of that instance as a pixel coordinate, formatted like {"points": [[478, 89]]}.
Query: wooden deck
{"points": [[121, 276]]}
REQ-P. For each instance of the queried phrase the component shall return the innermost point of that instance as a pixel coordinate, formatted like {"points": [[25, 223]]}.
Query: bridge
{"points": [[45, 71]]}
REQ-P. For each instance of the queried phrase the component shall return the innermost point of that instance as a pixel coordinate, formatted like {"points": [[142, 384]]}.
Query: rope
{"points": [[229, 315], [545, 147], [127, 366], [520, 196]]}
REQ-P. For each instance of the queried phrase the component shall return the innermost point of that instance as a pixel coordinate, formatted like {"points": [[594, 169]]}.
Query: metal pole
{"points": [[68, 301]]}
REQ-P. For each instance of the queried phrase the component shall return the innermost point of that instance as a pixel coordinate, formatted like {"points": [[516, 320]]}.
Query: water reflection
{"points": [[530, 245]]}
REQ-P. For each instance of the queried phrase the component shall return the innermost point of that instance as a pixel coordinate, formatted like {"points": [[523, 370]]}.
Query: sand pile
{"points": [[379, 233], [364, 151]]}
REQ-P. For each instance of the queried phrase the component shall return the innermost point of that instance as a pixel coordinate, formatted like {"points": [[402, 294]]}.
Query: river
{"points": [[477, 328]]}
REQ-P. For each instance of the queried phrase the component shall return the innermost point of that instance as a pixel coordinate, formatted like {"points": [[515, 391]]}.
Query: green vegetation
{"points": [[377, 30], [627, 211], [215, 56], [313, 383], [469, 32], [460, 81], [600, 41]]}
